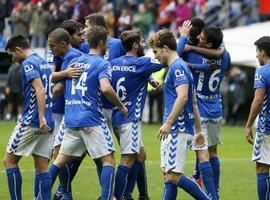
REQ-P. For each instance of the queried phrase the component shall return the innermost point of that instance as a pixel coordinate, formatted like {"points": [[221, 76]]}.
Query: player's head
{"points": [[16, 47], [59, 41], [133, 41], [163, 44], [263, 49], [94, 19], [97, 39], [196, 29], [210, 37], [75, 30]]}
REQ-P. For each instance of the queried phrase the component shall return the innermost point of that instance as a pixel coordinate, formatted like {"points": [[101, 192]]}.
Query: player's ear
{"points": [[18, 50]]}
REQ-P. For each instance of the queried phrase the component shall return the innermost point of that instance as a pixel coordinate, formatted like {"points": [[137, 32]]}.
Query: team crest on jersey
{"points": [[50, 57], [179, 74], [28, 68]]}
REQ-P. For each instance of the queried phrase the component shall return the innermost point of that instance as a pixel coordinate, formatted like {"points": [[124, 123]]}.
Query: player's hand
{"points": [[124, 110], [199, 140], [72, 72], [187, 48], [155, 84], [43, 125], [185, 28], [249, 135], [164, 131]]}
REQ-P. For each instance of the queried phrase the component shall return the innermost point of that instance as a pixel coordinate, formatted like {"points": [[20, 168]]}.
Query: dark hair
{"points": [[17, 41], [95, 35], [128, 38], [263, 44], [96, 19], [71, 26], [197, 27], [162, 38], [213, 35], [60, 35]]}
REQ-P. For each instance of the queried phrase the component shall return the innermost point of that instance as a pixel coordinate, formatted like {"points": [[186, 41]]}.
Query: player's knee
{"points": [[108, 160], [203, 156], [142, 155], [9, 162], [55, 152], [173, 177], [212, 151], [262, 168], [128, 160]]}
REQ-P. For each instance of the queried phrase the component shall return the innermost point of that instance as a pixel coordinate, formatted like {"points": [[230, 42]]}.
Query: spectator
{"points": [[21, 18], [182, 12], [39, 26], [108, 14], [13, 92], [264, 10], [142, 20], [80, 11], [123, 22], [164, 18], [3, 14], [237, 96], [56, 18]]}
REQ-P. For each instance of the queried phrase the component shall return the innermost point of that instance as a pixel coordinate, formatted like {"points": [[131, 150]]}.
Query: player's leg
{"points": [[99, 143], [261, 150], [130, 137], [44, 177], [175, 161], [263, 182], [13, 175]]}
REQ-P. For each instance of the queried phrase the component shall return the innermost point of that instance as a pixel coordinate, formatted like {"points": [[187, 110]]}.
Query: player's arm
{"points": [[180, 102], [256, 107], [110, 94], [184, 33], [211, 53], [58, 88], [69, 72], [41, 102]]}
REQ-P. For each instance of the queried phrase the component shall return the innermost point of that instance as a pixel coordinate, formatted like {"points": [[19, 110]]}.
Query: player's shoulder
{"points": [[33, 59], [115, 41]]}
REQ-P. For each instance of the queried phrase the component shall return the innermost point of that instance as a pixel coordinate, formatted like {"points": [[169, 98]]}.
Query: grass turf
{"points": [[238, 181]]}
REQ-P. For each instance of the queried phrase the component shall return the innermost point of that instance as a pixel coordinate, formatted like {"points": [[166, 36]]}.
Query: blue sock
{"points": [[65, 182], [132, 177], [54, 171], [208, 181], [14, 183], [263, 186], [121, 181], [192, 188], [99, 166], [45, 186], [216, 170], [36, 185], [196, 174], [170, 191], [142, 181], [59, 191], [107, 180]]}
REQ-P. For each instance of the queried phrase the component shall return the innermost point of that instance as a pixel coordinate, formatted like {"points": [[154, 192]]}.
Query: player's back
{"points": [[129, 79], [36, 67], [207, 83], [82, 95]]}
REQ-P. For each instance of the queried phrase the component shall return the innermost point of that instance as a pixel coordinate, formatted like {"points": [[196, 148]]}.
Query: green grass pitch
{"points": [[238, 181]]}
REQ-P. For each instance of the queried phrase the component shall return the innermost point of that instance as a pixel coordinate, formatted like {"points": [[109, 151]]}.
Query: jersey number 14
{"points": [[81, 84]]}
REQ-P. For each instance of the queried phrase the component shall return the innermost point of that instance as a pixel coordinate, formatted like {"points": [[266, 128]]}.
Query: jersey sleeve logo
{"points": [[155, 61], [28, 68], [179, 74]]}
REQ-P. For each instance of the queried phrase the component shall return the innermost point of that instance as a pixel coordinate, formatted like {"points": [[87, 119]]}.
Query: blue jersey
{"points": [[82, 95], [262, 80], [35, 67], [179, 74], [129, 79], [207, 83], [56, 62]]}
